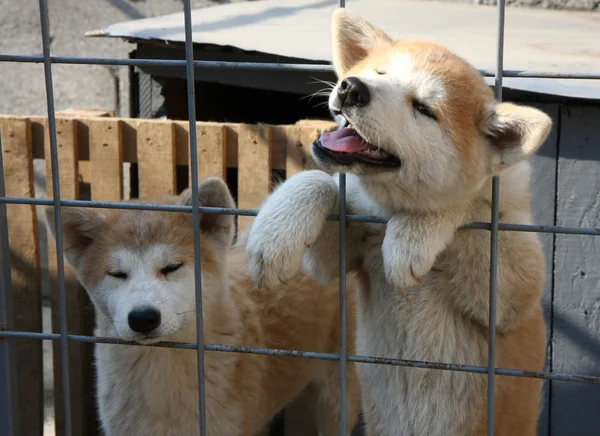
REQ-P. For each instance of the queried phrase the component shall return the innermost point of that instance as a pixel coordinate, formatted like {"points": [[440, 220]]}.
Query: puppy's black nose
{"points": [[353, 92], [144, 319]]}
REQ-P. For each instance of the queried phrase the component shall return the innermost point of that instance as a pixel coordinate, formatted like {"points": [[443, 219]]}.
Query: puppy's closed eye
{"points": [[118, 275], [170, 268], [423, 109]]}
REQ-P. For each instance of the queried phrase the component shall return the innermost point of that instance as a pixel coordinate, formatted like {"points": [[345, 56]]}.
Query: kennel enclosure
{"points": [[86, 155]]}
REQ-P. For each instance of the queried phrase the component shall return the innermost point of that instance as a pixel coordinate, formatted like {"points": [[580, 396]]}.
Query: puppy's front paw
{"points": [[404, 266], [288, 223], [274, 255], [408, 254]]}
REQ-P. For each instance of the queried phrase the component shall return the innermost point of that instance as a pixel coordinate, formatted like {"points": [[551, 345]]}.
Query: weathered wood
{"points": [[576, 320], [156, 159], [295, 156], [543, 185], [25, 272], [79, 313], [85, 112], [254, 169], [129, 130], [212, 151], [106, 157]]}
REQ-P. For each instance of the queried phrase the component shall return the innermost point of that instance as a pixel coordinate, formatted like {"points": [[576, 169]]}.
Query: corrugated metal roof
{"points": [[553, 41]]}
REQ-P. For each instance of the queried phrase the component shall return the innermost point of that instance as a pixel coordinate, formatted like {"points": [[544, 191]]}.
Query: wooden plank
{"points": [[25, 274], [295, 156], [79, 314], [106, 158], [543, 187], [254, 168], [129, 131], [576, 319], [85, 113], [308, 135], [212, 151], [156, 159]]}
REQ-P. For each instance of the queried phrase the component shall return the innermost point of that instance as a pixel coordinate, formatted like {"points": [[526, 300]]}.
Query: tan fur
{"points": [[423, 281], [153, 391]]}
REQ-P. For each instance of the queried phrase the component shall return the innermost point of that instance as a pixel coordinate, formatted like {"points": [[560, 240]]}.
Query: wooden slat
{"points": [[79, 314], [212, 151], [156, 158], [295, 156], [106, 157], [129, 129], [254, 163], [85, 112], [25, 274]]}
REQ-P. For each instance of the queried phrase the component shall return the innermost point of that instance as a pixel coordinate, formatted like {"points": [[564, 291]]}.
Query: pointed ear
{"points": [[515, 133], [353, 38], [79, 229], [213, 192]]}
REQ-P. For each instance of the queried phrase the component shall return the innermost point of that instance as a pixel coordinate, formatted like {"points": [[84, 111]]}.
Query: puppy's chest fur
{"points": [[422, 324], [158, 389]]}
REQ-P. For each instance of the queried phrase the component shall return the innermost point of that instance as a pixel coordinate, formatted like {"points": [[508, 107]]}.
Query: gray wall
{"points": [[566, 187]]}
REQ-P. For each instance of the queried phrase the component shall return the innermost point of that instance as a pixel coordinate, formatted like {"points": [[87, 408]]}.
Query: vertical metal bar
{"points": [[342, 248], [342, 227], [191, 100], [9, 413], [494, 238], [62, 305]]}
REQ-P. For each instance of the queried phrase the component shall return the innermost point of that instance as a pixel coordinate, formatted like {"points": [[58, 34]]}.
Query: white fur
{"points": [[125, 261], [152, 383], [425, 284]]}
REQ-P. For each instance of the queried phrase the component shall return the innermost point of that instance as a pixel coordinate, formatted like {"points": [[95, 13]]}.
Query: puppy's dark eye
{"points": [[423, 109], [171, 268], [118, 275], [380, 71]]}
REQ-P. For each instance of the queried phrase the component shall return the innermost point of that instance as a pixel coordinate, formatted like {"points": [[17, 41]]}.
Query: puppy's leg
{"points": [[325, 400], [321, 259], [413, 241], [290, 221]]}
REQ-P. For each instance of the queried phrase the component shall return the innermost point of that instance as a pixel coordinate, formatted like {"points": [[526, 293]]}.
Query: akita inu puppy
{"points": [[421, 136], [137, 267]]}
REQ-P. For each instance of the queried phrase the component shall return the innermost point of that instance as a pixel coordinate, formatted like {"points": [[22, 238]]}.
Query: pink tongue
{"points": [[343, 141]]}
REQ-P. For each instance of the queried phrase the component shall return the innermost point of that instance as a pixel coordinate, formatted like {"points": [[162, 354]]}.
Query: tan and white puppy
{"points": [[137, 267], [421, 137]]}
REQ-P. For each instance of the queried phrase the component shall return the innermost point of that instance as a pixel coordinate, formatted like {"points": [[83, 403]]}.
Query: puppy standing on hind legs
{"points": [[420, 137], [137, 267]]}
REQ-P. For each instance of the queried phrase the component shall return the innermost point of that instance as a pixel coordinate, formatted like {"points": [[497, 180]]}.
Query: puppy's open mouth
{"points": [[345, 146]]}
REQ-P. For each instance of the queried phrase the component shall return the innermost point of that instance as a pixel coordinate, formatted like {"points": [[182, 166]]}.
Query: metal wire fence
{"points": [[9, 418]]}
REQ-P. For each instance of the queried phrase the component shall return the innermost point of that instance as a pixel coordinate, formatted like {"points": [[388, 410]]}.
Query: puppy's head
{"points": [[417, 118], [138, 266]]}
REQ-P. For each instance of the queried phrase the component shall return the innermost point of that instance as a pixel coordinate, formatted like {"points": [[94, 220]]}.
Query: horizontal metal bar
{"points": [[314, 355], [529, 74], [168, 63], [323, 68], [589, 231]]}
